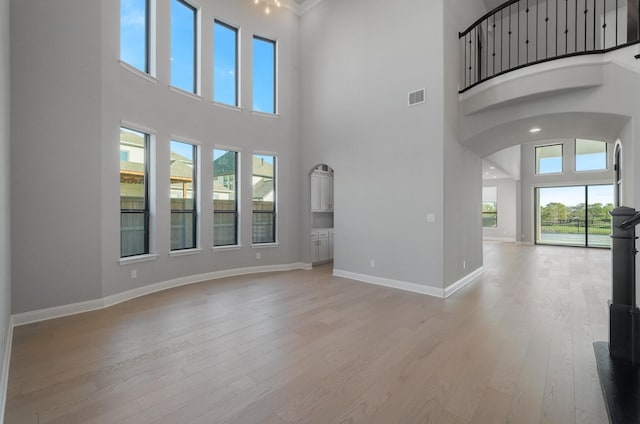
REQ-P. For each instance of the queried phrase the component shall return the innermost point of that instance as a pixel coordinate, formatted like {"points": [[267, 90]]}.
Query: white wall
{"points": [[360, 59], [56, 151], [507, 210], [73, 96], [462, 168], [5, 225]]}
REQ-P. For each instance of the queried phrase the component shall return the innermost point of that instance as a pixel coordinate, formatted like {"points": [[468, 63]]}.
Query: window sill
{"points": [[194, 96], [185, 252], [138, 72], [265, 114], [264, 245], [137, 259], [227, 106], [226, 248]]}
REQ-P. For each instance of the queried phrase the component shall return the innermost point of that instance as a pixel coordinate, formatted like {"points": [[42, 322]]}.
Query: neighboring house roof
{"points": [[224, 165], [262, 189], [262, 168]]}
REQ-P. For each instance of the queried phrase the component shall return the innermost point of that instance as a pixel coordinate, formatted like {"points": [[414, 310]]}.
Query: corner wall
{"points": [[360, 59], [462, 168], [5, 225]]}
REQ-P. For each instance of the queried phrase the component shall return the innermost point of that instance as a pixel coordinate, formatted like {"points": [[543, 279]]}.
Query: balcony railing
{"points": [[520, 33]]}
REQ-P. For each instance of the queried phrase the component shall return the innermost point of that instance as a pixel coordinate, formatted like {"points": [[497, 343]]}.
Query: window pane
{"points": [[489, 206], [264, 194], [183, 195], [134, 235], [183, 46], [225, 64], [549, 159], [561, 216], [591, 155], [264, 71], [225, 199], [134, 33]]}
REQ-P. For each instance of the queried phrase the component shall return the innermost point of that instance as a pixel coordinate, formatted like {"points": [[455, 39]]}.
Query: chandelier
{"points": [[268, 4]]}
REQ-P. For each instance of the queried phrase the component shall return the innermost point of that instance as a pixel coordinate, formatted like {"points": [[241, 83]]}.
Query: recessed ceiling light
{"points": [[492, 167], [535, 130], [486, 173], [494, 177]]}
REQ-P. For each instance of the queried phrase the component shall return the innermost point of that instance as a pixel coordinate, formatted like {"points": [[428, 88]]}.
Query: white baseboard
{"points": [[395, 284], [4, 374], [464, 281], [501, 239], [92, 305], [412, 287]]}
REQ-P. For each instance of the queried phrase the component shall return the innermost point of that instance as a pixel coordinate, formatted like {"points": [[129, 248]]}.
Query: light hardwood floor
{"points": [[305, 347]]}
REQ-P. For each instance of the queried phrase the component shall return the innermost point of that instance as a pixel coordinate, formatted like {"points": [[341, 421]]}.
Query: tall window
{"points": [[184, 27], [264, 75], [549, 159], [591, 155], [264, 199], [225, 63], [225, 198], [489, 207], [134, 193], [134, 33], [183, 162]]}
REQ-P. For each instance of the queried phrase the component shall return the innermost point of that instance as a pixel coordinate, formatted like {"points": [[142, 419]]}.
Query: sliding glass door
{"points": [[574, 215]]}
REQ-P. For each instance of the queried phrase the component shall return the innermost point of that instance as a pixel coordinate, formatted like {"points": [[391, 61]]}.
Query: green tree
{"points": [[554, 211]]}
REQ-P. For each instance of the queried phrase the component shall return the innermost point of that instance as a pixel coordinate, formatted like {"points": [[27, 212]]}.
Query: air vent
{"points": [[416, 97]]}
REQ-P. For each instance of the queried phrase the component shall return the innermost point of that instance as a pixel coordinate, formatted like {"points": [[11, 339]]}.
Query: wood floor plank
{"points": [[307, 347]]}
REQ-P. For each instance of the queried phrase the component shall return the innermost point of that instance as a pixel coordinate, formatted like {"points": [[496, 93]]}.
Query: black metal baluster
{"points": [[464, 70], [494, 44], [594, 24], [509, 36], [546, 32], [566, 25], [470, 56], [537, 25], [486, 62], [501, 34], [527, 28], [518, 44], [575, 48], [604, 25], [557, 26], [616, 22], [586, 10]]}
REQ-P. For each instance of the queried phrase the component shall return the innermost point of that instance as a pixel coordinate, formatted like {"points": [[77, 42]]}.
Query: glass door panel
{"points": [[560, 213], [600, 203]]}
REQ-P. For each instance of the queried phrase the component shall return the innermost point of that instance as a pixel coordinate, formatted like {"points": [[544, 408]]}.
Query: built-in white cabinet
{"points": [[321, 245], [321, 191]]}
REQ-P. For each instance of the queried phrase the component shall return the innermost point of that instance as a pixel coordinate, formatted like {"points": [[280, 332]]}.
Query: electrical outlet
{"points": [[372, 263], [431, 218], [258, 256], [134, 273], [464, 264]]}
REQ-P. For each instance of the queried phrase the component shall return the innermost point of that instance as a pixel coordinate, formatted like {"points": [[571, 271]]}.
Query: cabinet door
{"points": [[325, 188], [315, 251], [323, 249], [315, 192]]}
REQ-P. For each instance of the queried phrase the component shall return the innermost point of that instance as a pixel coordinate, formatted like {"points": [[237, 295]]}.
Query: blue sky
{"points": [[133, 46]]}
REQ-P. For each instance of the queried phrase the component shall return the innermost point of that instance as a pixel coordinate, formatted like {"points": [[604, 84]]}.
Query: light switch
{"points": [[431, 218]]}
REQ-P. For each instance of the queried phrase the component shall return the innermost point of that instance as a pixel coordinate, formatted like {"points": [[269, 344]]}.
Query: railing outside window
{"points": [[520, 33]]}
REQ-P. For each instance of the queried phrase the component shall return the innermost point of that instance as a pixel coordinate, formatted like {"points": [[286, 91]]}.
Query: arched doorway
{"points": [[322, 213]]}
